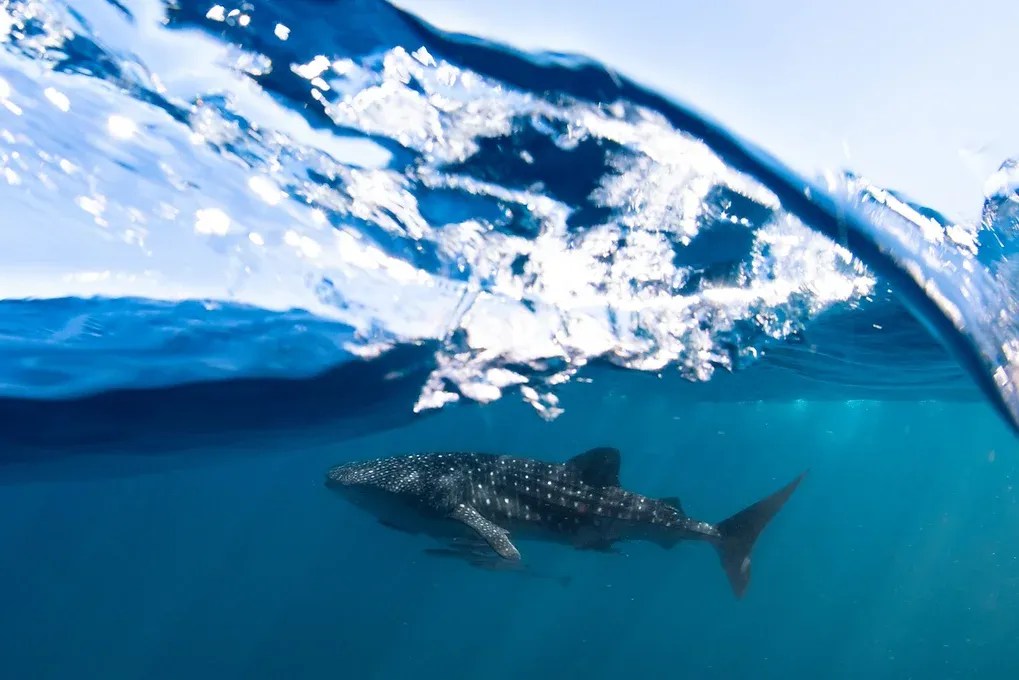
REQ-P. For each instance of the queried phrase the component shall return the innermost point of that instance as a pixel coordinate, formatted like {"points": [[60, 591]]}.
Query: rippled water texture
{"points": [[196, 191]]}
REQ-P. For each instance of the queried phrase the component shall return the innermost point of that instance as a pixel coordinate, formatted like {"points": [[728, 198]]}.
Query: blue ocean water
{"points": [[244, 244]]}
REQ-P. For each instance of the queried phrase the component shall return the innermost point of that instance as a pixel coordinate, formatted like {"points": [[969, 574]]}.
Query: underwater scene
{"points": [[335, 343]]}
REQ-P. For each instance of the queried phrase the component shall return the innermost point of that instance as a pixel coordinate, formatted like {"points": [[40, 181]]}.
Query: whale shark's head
{"points": [[368, 485], [350, 475], [387, 487], [401, 476]]}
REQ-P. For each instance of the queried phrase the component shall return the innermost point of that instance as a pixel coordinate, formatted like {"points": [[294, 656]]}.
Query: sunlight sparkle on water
{"points": [[95, 206], [58, 99], [6, 23], [121, 127], [266, 189], [5, 94], [313, 69], [306, 245], [212, 221]]}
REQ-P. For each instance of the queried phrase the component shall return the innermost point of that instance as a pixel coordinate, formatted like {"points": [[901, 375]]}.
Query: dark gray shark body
{"points": [[459, 496]]}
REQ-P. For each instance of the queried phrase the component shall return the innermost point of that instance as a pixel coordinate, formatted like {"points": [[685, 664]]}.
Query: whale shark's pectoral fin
{"points": [[496, 537]]}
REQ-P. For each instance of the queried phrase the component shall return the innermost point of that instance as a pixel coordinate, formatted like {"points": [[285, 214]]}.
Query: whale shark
{"points": [[496, 500]]}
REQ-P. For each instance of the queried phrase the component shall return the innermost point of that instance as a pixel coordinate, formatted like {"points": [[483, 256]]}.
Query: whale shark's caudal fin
{"points": [[739, 532]]}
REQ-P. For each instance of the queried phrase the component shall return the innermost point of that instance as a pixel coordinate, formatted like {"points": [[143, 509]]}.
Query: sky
{"points": [[914, 95]]}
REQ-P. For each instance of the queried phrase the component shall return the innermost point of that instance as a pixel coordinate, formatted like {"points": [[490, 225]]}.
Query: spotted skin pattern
{"points": [[460, 495]]}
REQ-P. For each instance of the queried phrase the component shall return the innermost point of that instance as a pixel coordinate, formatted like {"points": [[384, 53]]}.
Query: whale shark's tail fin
{"points": [[739, 532]]}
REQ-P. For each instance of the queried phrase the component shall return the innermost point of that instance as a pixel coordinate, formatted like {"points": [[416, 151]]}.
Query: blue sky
{"points": [[917, 96]]}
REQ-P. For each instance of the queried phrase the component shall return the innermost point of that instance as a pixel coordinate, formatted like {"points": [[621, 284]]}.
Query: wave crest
{"points": [[245, 156]]}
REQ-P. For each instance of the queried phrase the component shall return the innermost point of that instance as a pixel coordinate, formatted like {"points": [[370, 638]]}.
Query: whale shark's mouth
{"points": [[359, 474], [340, 476]]}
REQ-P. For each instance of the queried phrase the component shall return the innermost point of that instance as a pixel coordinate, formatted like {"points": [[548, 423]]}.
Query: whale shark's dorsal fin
{"points": [[494, 535], [597, 467], [674, 502]]}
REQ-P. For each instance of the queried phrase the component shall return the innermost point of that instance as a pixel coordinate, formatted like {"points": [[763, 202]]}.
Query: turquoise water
{"points": [[894, 559]]}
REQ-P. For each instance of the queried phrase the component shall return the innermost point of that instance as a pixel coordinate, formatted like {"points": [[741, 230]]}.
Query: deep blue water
{"points": [[896, 557], [240, 247]]}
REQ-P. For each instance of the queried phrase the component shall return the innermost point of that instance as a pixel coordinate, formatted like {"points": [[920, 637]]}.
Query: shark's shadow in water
{"points": [[478, 556]]}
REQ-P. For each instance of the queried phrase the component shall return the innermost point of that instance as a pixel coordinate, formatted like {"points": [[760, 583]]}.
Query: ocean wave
{"points": [[201, 192]]}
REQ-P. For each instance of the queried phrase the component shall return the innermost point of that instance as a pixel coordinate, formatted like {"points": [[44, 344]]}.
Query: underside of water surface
{"points": [[201, 194]]}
